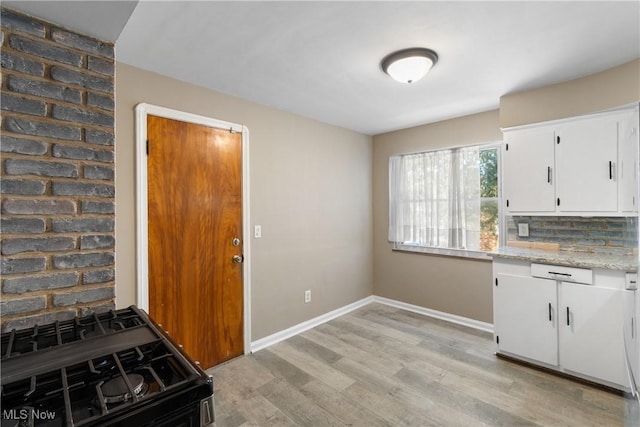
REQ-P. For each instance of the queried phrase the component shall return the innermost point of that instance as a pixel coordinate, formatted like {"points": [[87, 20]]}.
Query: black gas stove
{"points": [[111, 369]]}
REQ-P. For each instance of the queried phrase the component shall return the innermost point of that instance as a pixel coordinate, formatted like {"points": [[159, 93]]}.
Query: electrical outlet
{"points": [[523, 229], [257, 231], [307, 296]]}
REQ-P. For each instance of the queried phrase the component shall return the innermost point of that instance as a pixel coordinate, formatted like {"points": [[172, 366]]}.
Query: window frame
{"points": [[452, 252]]}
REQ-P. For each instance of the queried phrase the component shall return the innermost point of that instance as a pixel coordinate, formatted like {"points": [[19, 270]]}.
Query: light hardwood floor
{"points": [[382, 366]]}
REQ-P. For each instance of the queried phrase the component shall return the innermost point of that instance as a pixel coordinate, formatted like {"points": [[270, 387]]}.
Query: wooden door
{"points": [[194, 214]]}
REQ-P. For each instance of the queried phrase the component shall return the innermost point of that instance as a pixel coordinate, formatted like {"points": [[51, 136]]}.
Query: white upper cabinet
{"points": [[628, 171], [580, 166], [528, 173], [587, 166]]}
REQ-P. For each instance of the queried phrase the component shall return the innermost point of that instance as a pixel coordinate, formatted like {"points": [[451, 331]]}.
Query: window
{"points": [[446, 199]]}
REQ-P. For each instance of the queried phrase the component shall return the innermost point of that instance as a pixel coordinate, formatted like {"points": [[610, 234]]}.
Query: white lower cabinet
{"points": [[591, 332], [527, 304], [575, 328]]}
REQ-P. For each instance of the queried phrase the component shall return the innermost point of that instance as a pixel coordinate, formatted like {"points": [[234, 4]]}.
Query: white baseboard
{"points": [[465, 321], [316, 321], [309, 324]]}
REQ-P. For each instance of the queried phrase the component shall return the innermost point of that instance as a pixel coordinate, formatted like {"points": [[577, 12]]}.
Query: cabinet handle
{"points": [[549, 174], [549, 312], [632, 329], [610, 170], [553, 273], [568, 322]]}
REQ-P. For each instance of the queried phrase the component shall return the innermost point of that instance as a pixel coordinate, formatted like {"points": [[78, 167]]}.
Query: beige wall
{"points": [[454, 285], [310, 192], [611, 88]]}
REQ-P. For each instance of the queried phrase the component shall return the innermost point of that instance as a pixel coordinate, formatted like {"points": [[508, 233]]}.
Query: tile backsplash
{"points": [[611, 234]]}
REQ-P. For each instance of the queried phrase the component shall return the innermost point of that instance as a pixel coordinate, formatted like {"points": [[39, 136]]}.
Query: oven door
{"points": [[192, 407]]}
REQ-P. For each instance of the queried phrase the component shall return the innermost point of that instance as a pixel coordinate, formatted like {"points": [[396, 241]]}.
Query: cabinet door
{"points": [[528, 174], [591, 332], [629, 163], [630, 336], [525, 317], [586, 164]]}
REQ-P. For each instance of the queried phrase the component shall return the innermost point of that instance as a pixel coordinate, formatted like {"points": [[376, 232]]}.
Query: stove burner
{"points": [[116, 391]]}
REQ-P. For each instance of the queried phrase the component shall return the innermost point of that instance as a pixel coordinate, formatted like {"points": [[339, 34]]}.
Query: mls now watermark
{"points": [[28, 413]]}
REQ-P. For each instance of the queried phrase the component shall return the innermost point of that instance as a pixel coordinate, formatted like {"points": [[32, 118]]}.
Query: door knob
{"points": [[238, 259]]}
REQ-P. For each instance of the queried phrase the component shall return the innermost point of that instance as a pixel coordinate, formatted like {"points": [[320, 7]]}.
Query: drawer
{"points": [[562, 273], [631, 281]]}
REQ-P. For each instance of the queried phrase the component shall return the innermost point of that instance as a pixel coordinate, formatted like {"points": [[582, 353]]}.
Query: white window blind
{"points": [[435, 199]]}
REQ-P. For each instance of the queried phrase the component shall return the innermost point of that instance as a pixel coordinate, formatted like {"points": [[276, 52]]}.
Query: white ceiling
{"points": [[322, 59], [101, 19]]}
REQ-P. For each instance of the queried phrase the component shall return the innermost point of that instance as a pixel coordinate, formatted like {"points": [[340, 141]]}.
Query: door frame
{"points": [[142, 110]]}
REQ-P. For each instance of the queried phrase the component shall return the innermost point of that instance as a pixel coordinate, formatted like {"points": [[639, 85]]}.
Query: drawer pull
{"points": [[560, 274]]}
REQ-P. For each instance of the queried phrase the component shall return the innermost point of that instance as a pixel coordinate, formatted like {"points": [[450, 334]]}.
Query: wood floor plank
{"points": [[386, 406], [296, 405], [314, 349], [383, 366], [529, 409], [401, 336], [244, 372], [366, 375], [236, 395], [323, 372], [369, 358], [438, 331], [348, 411], [280, 368], [228, 413], [572, 407]]}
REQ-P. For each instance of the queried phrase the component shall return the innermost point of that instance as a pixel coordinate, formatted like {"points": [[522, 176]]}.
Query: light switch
{"points": [[523, 229], [257, 231]]}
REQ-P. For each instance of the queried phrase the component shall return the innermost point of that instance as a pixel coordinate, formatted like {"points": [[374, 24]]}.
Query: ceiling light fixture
{"points": [[409, 65]]}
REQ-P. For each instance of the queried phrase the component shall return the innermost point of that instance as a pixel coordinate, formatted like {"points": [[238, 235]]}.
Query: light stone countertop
{"points": [[606, 260]]}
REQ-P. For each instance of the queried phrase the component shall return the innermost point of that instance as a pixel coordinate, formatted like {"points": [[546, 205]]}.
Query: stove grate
{"points": [[59, 333]]}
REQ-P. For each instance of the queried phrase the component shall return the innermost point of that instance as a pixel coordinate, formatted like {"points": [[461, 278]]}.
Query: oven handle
{"points": [[207, 412]]}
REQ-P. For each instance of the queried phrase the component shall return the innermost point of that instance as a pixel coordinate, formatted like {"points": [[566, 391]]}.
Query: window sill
{"points": [[456, 253]]}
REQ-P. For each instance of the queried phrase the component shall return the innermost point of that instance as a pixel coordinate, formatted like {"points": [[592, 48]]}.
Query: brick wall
{"points": [[617, 234], [57, 174]]}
